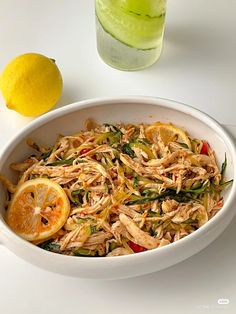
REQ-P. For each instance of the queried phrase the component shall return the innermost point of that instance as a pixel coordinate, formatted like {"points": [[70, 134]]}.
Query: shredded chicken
{"points": [[128, 193], [140, 237], [119, 251], [7, 183]]}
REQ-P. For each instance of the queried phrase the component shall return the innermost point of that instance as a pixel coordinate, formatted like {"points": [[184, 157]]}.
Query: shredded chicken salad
{"points": [[129, 188]]}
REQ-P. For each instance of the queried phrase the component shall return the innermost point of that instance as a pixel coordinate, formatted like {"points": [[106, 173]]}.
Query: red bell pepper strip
{"points": [[136, 248], [204, 149]]}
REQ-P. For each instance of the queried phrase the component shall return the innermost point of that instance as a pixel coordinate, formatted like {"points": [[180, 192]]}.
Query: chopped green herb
{"points": [[45, 155], [76, 192], [114, 139], [86, 194], [144, 148], [143, 200], [77, 196], [76, 201], [114, 136], [182, 196], [106, 188], [196, 145], [85, 252], [111, 137], [126, 149], [183, 145], [109, 162], [199, 190], [221, 186], [144, 141], [189, 221], [150, 192], [50, 246], [113, 128], [223, 168], [82, 220], [226, 183], [62, 162], [151, 213], [93, 229], [112, 246], [135, 181], [196, 185]]}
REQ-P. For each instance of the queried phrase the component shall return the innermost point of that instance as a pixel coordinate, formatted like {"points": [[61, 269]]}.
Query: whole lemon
{"points": [[31, 84]]}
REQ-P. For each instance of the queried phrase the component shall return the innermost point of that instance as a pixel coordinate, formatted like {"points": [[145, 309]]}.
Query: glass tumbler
{"points": [[130, 32]]}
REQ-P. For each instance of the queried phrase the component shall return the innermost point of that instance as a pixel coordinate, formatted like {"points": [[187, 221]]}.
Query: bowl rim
{"points": [[131, 99]]}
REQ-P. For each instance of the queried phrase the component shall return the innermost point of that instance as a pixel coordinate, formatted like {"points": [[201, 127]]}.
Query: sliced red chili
{"points": [[136, 248], [130, 176], [204, 149], [221, 202]]}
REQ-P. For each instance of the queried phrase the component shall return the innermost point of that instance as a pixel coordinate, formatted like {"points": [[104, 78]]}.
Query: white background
{"points": [[197, 67]]}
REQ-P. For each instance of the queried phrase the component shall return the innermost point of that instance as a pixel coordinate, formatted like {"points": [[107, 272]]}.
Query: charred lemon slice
{"points": [[38, 209], [168, 133]]}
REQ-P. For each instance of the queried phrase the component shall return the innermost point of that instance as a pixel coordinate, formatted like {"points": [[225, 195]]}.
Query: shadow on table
{"points": [[69, 96], [185, 44]]}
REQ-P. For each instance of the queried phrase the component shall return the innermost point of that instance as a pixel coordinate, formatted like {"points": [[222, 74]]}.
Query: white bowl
{"points": [[70, 119]]}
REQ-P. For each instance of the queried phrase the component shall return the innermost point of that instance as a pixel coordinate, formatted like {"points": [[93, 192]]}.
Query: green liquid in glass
{"points": [[130, 32]]}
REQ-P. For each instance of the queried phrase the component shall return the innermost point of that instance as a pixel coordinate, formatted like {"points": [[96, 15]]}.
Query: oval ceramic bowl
{"points": [[70, 119]]}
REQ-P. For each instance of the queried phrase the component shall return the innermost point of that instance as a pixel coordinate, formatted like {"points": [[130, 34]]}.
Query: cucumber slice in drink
{"points": [[152, 8], [136, 23]]}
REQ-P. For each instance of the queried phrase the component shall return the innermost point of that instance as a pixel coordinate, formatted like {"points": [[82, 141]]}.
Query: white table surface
{"points": [[197, 67]]}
